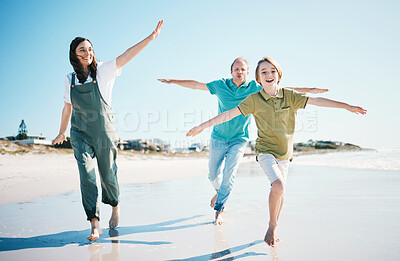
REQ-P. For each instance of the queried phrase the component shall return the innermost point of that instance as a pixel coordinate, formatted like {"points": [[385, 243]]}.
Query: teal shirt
{"points": [[229, 97]]}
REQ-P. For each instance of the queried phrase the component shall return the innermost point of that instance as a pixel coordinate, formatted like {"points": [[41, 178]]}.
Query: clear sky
{"points": [[349, 47]]}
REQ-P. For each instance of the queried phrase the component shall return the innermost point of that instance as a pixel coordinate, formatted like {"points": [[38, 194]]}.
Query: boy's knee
{"points": [[277, 187]]}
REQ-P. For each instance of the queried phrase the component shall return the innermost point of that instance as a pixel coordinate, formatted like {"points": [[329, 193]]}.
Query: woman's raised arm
{"points": [[137, 48]]}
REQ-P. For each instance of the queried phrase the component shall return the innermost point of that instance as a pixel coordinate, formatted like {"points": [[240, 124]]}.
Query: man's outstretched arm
{"points": [[191, 84], [307, 89]]}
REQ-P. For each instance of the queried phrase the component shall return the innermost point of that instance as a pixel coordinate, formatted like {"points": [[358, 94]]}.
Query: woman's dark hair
{"points": [[73, 59]]}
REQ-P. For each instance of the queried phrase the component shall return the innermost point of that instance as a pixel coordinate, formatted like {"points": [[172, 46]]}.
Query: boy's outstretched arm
{"points": [[223, 117], [137, 48], [191, 84], [307, 89], [323, 102]]}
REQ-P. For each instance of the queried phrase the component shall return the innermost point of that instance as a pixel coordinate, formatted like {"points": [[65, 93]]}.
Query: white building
{"points": [[32, 139]]}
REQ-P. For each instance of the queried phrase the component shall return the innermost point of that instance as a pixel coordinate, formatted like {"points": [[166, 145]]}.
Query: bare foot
{"points": [[213, 200], [113, 223], [270, 236], [114, 234], [96, 230], [218, 218]]}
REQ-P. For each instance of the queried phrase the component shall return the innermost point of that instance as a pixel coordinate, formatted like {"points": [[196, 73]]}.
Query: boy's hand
{"points": [[193, 132], [357, 109]]}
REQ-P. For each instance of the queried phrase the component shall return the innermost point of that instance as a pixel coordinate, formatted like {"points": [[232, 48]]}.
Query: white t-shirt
{"points": [[106, 73]]}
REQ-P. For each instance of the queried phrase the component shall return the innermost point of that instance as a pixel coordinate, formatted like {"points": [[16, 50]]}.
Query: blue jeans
{"points": [[226, 155]]}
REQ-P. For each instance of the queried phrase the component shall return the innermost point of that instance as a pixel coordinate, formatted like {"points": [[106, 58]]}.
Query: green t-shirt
{"points": [[275, 118]]}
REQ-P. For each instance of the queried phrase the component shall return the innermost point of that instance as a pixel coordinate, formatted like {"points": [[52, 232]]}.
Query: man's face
{"points": [[239, 72]]}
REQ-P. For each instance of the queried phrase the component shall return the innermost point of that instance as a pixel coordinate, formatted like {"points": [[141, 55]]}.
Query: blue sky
{"points": [[349, 47]]}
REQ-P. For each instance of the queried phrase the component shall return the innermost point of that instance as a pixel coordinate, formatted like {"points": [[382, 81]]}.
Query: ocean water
{"points": [[381, 159]]}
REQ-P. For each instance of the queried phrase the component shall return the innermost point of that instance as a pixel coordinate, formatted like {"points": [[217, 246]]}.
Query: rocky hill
{"points": [[8, 147]]}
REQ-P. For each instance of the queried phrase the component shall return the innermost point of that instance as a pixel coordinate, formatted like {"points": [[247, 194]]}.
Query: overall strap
{"points": [[73, 80]]}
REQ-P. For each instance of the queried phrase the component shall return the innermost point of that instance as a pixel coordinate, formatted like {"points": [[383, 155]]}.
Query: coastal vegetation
{"points": [[15, 148], [320, 146]]}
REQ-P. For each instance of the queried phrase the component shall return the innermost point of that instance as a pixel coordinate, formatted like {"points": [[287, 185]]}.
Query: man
{"points": [[228, 140]]}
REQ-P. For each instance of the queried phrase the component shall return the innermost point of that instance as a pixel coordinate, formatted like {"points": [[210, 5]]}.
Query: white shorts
{"points": [[273, 168]]}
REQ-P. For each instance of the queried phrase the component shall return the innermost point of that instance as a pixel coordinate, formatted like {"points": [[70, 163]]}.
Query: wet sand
{"points": [[329, 214]]}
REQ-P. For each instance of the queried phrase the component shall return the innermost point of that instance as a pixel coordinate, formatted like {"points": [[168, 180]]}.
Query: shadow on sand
{"points": [[79, 237], [226, 252]]}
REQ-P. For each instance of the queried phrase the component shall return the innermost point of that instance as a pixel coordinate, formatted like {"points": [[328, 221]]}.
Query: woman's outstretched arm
{"points": [[137, 48], [223, 117]]}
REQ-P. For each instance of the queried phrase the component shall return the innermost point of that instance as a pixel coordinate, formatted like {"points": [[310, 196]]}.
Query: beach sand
{"points": [[329, 214], [30, 176]]}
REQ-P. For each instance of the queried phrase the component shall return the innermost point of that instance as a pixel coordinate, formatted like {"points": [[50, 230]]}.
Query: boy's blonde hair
{"points": [[271, 61]]}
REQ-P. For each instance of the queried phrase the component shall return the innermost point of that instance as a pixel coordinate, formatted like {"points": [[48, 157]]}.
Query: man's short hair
{"points": [[240, 59]]}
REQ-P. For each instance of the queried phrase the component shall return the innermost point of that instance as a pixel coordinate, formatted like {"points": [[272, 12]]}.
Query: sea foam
{"points": [[381, 159]]}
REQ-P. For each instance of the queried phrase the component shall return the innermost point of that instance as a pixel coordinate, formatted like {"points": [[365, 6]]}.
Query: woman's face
{"points": [[268, 75], [84, 52]]}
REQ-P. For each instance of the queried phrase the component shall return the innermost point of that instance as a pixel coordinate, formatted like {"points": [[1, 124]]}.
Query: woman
{"points": [[87, 103], [274, 110]]}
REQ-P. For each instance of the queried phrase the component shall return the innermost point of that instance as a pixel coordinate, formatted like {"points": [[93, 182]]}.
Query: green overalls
{"points": [[93, 135]]}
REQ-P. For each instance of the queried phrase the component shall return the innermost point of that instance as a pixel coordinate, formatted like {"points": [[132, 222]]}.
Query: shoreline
{"points": [[24, 177]]}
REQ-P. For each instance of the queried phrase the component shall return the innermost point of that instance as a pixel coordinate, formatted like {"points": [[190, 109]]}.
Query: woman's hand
{"points": [[156, 32], [59, 139], [137, 48], [193, 132]]}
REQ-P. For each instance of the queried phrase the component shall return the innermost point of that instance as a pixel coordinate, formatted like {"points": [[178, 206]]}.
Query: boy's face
{"points": [[268, 75]]}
